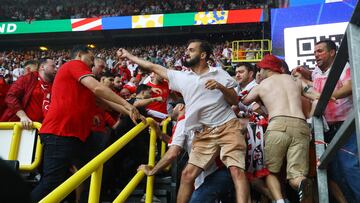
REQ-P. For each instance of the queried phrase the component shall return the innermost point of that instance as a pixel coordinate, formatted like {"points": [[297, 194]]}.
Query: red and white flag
{"points": [[84, 24]]}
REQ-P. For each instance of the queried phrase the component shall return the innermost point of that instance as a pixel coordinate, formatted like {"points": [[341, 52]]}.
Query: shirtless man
{"points": [[288, 134]]}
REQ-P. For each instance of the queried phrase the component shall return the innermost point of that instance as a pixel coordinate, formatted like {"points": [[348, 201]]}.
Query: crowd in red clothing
{"points": [[12, 61], [124, 83]]}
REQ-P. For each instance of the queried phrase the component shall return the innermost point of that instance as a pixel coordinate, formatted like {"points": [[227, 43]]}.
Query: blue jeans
{"points": [[217, 186], [59, 153], [344, 168]]}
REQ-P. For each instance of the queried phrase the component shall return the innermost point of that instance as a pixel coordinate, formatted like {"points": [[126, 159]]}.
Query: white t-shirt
{"points": [[226, 53], [184, 140], [17, 72], [132, 68], [339, 110], [203, 106], [109, 63], [240, 92]]}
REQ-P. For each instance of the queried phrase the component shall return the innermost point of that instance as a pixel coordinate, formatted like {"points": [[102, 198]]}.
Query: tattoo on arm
{"points": [[307, 88]]}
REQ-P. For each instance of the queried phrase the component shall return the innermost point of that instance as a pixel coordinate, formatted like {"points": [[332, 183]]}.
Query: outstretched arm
{"points": [[146, 65], [252, 96], [309, 92], [169, 157], [108, 95], [145, 102], [229, 93]]}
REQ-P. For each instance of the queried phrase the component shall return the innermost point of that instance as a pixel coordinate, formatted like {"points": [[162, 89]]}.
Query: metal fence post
{"points": [[320, 148], [353, 37]]}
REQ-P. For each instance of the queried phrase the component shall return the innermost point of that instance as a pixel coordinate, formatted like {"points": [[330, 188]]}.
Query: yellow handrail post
{"points": [[38, 153], [95, 185], [150, 179], [163, 146], [126, 192], [164, 128], [15, 142]]}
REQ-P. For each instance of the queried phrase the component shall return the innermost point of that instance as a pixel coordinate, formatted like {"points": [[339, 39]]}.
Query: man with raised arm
{"points": [[287, 134], [208, 94]]}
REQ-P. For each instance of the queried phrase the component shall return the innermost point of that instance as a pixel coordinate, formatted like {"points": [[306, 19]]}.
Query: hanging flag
{"points": [[85, 24], [147, 21], [245, 16], [211, 17]]}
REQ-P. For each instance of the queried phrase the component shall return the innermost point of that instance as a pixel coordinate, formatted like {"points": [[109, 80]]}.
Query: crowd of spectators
{"points": [[129, 76], [12, 61], [21, 10]]}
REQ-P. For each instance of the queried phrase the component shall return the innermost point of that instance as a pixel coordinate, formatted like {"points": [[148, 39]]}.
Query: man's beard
{"points": [[191, 62], [116, 88], [50, 77]]}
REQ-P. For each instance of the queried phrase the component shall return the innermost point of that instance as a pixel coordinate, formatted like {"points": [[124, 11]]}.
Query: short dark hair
{"points": [[31, 62], [205, 46], [99, 58], [179, 101], [107, 74], [249, 67], [330, 45], [44, 60], [78, 49], [141, 88]]}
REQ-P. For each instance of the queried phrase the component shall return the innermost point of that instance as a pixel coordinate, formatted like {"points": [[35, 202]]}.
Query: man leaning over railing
{"points": [[68, 122], [207, 183]]}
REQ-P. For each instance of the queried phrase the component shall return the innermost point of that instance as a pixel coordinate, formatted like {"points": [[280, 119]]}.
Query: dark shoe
{"points": [[305, 190]]}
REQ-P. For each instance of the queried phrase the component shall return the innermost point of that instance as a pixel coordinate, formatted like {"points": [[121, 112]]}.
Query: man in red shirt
{"points": [[28, 98], [68, 122], [4, 87], [123, 72], [160, 88], [98, 68]]}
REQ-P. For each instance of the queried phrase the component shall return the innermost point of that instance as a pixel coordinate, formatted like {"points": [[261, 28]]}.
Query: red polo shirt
{"points": [[72, 104]]}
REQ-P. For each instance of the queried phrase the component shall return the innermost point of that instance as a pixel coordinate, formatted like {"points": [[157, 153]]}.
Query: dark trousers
{"points": [[344, 168], [59, 154]]}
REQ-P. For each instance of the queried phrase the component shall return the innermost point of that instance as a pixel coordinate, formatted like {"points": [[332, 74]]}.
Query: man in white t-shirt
{"points": [[132, 67], [208, 94], [17, 72], [110, 63]]}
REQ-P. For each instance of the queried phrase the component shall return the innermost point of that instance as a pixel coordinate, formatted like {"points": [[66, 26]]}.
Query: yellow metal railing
{"points": [[15, 143], [164, 128], [250, 50], [95, 166], [163, 144]]}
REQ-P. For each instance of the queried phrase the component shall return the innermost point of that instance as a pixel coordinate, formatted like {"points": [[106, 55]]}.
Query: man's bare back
{"points": [[281, 95]]}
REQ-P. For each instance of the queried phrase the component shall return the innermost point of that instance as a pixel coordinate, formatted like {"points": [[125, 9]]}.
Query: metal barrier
{"points": [[241, 52], [15, 143], [163, 144], [164, 129], [349, 49], [95, 169]]}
